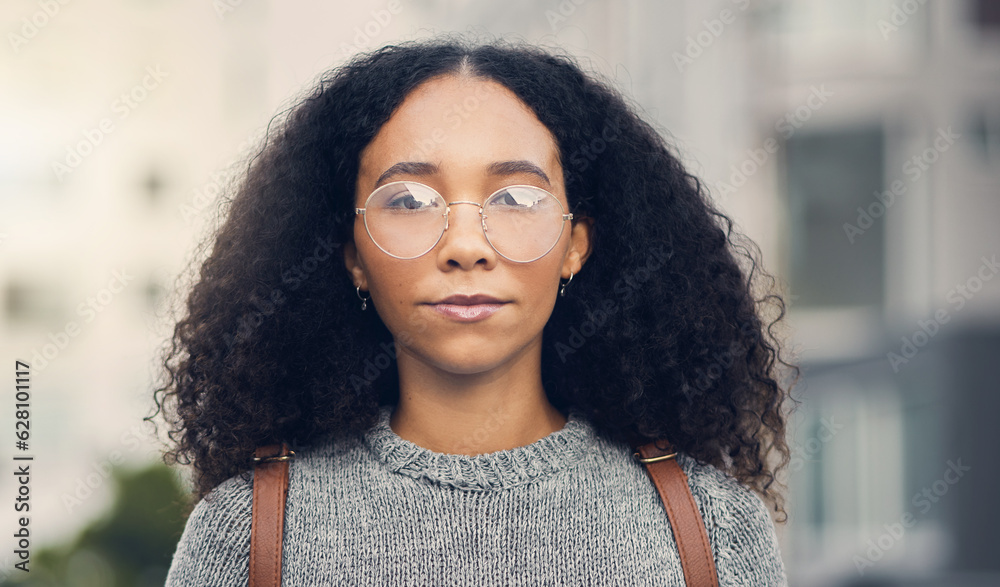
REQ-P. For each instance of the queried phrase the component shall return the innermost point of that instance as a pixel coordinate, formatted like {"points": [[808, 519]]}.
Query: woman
{"points": [[462, 281]]}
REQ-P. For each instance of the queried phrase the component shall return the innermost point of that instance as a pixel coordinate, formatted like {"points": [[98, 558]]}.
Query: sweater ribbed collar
{"points": [[543, 458]]}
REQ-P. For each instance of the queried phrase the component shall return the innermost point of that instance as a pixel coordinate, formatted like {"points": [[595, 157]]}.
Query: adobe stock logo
{"points": [[624, 288], [93, 136], [786, 126], [924, 500], [914, 168], [711, 30], [899, 16], [31, 26], [958, 296], [88, 310], [804, 453], [367, 33]]}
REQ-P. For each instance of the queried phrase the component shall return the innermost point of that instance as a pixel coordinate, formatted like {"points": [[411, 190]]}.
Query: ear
{"points": [[352, 261], [580, 246]]}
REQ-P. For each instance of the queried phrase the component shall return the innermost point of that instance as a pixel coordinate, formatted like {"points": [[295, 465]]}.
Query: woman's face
{"points": [[456, 128]]}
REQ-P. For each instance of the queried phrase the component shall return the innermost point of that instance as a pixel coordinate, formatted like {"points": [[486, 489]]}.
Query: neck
{"points": [[476, 413]]}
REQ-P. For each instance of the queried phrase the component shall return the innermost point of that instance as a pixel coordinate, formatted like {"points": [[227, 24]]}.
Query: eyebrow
{"points": [[497, 168]]}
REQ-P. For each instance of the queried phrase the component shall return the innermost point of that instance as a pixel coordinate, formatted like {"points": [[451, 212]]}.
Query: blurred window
{"points": [[830, 175], [986, 14]]}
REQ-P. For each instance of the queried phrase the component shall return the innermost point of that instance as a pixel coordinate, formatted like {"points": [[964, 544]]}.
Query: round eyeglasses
{"points": [[406, 219]]}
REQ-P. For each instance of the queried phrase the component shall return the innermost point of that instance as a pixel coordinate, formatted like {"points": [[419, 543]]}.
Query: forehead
{"points": [[462, 124]]}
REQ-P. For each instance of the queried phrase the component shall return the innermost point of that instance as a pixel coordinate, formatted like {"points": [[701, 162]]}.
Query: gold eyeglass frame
{"points": [[447, 208]]}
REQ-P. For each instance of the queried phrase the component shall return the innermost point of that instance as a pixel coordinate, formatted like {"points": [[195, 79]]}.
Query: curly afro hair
{"points": [[663, 335]]}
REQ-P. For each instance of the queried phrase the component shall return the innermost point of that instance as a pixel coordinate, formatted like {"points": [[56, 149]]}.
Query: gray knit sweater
{"points": [[571, 508]]}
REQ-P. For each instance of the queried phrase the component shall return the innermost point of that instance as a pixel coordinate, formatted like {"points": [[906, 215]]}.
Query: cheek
{"points": [[542, 286], [393, 287], [389, 283]]}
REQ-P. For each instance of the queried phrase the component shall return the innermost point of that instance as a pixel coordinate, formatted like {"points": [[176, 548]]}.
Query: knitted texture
{"points": [[572, 508]]}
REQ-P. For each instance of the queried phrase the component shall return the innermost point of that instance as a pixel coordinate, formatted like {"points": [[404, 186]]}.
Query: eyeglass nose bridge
{"points": [[482, 216]]}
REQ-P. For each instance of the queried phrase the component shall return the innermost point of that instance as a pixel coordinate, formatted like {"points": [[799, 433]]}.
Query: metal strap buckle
{"points": [[276, 458], [638, 457]]}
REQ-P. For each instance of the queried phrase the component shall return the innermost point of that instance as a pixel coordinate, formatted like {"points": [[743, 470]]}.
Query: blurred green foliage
{"points": [[129, 546]]}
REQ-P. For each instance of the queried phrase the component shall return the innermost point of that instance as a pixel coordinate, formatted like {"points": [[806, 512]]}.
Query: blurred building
{"points": [[890, 203]]}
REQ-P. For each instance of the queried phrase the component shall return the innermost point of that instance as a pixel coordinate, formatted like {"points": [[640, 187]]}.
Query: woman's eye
{"points": [[519, 198], [406, 201], [508, 199]]}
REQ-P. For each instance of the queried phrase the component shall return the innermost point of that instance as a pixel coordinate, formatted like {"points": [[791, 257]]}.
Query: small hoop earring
{"points": [[364, 301], [562, 290]]}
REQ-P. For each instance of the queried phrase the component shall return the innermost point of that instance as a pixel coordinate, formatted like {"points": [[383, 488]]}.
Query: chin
{"points": [[468, 361]]}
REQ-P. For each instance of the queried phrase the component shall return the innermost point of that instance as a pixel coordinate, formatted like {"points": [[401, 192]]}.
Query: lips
{"points": [[467, 300], [466, 308]]}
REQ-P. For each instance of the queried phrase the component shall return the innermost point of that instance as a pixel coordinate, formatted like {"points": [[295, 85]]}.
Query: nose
{"points": [[464, 243]]}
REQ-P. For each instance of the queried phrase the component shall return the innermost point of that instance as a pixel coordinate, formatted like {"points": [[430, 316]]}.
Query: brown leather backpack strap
{"points": [[270, 488], [689, 528]]}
